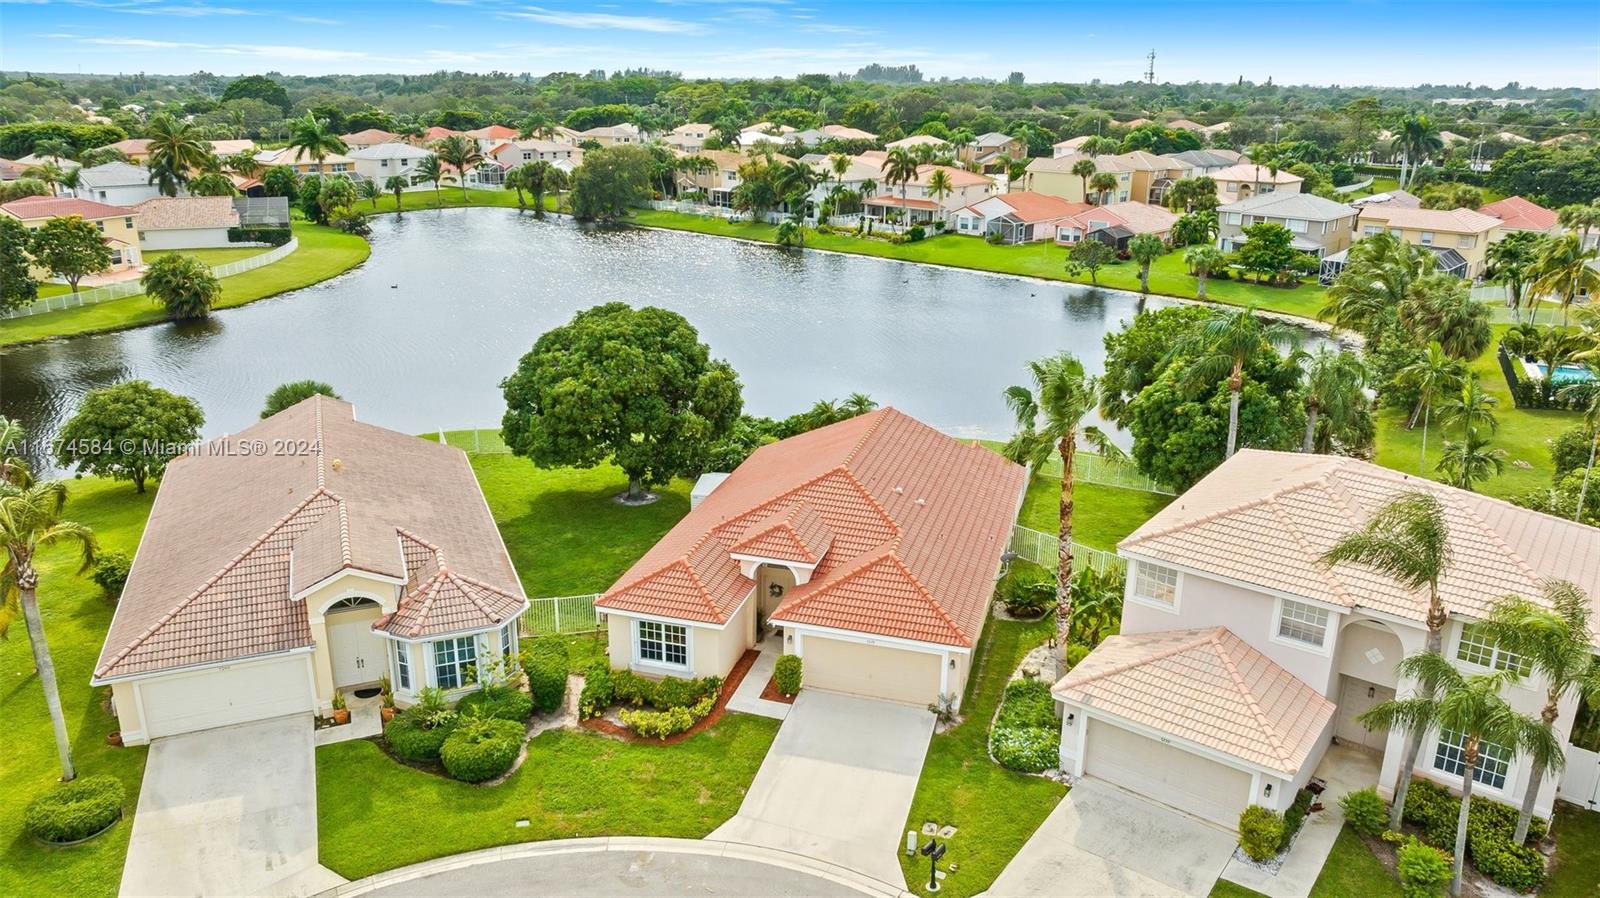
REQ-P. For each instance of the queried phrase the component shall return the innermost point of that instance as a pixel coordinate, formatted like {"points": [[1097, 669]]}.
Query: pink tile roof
{"points": [[370, 137], [1521, 214], [183, 212], [1140, 218], [212, 578], [1266, 518], [918, 522], [1208, 687], [30, 208], [1030, 206], [1461, 221], [1247, 172], [493, 132]]}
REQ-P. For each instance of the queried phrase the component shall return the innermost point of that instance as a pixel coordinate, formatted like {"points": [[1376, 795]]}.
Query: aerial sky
{"points": [[1543, 43]]}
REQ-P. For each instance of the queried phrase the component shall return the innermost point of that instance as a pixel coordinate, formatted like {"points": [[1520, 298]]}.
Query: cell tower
{"points": [[1150, 70]]}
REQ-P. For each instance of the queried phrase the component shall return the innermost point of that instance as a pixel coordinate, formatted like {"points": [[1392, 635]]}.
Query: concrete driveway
{"points": [[1101, 841], [231, 811], [837, 783]]}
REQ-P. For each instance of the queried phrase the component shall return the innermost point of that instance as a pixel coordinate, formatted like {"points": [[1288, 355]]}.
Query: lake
{"points": [[420, 336]]}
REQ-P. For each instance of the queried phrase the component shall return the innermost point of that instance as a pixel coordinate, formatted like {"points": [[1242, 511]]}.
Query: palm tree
{"points": [[1440, 308], [1103, 184], [900, 167], [176, 150], [1407, 540], [1470, 407], [30, 518], [1576, 217], [858, 404], [1377, 277], [1336, 382], [310, 136], [1433, 374], [1050, 419], [1202, 259], [790, 233], [1511, 262], [939, 187], [431, 169], [1222, 347], [397, 184], [370, 190], [1552, 640], [212, 184], [1145, 249], [1417, 139], [1469, 460], [51, 173], [244, 165], [1469, 708], [461, 153], [1565, 270], [1084, 169]]}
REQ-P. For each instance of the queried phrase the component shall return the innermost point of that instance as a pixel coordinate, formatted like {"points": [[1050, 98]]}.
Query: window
{"points": [[100, 226], [1427, 238], [383, 163], [128, 223], [454, 661], [402, 665], [1235, 218], [116, 257], [1298, 225], [1466, 241], [1155, 583], [1477, 648], [1369, 230], [661, 643], [1302, 623], [506, 644], [1494, 761]]}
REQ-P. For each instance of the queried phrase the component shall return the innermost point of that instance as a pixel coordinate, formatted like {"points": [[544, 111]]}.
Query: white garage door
{"points": [[225, 695], [876, 671], [1166, 773]]}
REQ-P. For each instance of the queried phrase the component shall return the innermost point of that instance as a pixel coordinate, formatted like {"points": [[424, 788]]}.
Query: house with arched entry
{"points": [[1242, 658], [307, 554]]}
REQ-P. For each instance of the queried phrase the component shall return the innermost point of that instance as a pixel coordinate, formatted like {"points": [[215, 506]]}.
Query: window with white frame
{"points": [[661, 643], [1298, 225], [1369, 230], [1155, 583], [1477, 647], [454, 662], [402, 665], [1494, 761], [1466, 241], [506, 643], [1303, 623], [1235, 218]]}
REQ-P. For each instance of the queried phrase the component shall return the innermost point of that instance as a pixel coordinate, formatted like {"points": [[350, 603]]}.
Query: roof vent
{"points": [[922, 501], [336, 464], [899, 489]]}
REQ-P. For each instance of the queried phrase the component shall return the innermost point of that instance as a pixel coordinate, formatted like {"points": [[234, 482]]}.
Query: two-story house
{"points": [[1320, 227], [1245, 179], [304, 164], [992, 147], [517, 152], [921, 205], [1242, 657], [118, 226], [688, 138], [1460, 237], [116, 184], [1141, 177], [383, 161], [717, 179]]}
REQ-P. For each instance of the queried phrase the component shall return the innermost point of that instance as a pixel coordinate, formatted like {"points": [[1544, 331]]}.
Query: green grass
{"points": [[1101, 517], [582, 649], [1576, 871], [446, 198], [995, 809], [324, 252], [1352, 871], [76, 615], [211, 255], [572, 785]]}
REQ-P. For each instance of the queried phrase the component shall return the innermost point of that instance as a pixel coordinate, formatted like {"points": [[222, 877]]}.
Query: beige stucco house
{"points": [[1241, 657], [1461, 237], [1246, 179], [871, 545], [1141, 177], [1320, 227], [118, 225], [306, 554], [921, 205]]}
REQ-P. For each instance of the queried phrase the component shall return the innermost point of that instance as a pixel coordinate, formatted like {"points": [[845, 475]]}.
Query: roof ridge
{"points": [[1199, 639], [211, 581], [316, 406], [886, 552], [427, 591], [1248, 693], [1322, 571], [462, 583], [882, 415], [1211, 516]]}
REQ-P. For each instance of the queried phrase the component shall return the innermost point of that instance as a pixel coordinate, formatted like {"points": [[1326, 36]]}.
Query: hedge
{"points": [[669, 722], [18, 139], [1433, 809], [664, 694], [787, 673], [260, 234], [546, 662], [482, 748], [598, 690], [497, 702], [411, 740], [74, 811]]}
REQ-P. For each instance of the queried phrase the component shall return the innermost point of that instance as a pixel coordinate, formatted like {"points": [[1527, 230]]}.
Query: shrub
{"points": [[1028, 597], [1490, 825], [1295, 816], [1260, 832], [497, 702], [482, 748], [787, 674], [111, 572], [546, 662], [1511, 865], [410, 737], [1424, 870], [661, 724], [76, 810], [1028, 703], [916, 233], [1364, 811], [672, 692], [1028, 749], [598, 690], [1076, 653], [274, 236]]}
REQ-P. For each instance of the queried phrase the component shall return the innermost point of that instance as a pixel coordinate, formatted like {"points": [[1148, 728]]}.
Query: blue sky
{"points": [[1537, 42]]}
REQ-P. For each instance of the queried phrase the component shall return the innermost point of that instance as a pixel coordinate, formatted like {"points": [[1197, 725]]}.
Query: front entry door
{"points": [[1356, 698], [358, 652]]}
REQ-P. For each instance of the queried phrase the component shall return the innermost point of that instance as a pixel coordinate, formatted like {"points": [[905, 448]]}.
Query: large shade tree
{"points": [[70, 248], [633, 386], [129, 431]]}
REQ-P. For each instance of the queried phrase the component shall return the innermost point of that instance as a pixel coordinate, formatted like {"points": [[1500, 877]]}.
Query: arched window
{"points": [[349, 602]]}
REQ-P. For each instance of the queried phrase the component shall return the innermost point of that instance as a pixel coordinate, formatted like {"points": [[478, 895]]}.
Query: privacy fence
{"points": [[1043, 549]]}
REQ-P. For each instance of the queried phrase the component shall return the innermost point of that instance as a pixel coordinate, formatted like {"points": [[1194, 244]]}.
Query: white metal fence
{"points": [[1088, 467], [123, 289], [559, 615], [1043, 549]]}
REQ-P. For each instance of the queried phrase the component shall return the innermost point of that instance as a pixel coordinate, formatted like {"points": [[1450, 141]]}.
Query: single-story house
{"points": [[116, 184], [186, 222], [1242, 657], [1114, 224], [266, 582], [1020, 216], [1320, 227], [118, 225], [872, 545]]}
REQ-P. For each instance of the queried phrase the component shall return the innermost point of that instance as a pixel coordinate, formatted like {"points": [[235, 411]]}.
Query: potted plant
{"points": [[385, 699], [341, 714]]}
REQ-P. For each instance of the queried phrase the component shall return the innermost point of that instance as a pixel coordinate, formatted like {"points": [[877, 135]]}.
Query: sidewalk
{"points": [[747, 698]]}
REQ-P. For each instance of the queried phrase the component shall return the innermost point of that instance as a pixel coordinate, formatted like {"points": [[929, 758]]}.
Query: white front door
{"points": [[357, 652], [1357, 697]]}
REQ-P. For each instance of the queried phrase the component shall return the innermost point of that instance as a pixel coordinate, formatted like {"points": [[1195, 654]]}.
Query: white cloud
{"points": [[313, 20], [825, 28], [610, 21], [303, 54], [148, 8]]}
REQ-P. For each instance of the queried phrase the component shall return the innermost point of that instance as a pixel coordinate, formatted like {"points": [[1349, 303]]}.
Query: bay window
{"points": [[455, 662]]}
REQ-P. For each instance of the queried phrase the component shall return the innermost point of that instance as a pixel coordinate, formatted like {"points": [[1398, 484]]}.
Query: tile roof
{"points": [[1463, 221], [959, 177], [114, 174], [1183, 124], [370, 137], [1208, 687], [1140, 218], [1521, 214], [391, 150], [1266, 518], [493, 132], [1030, 206], [230, 147], [917, 140], [438, 133], [32, 207], [1251, 173], [439, 600], [165, 213], [918, 522], [797, 533], [212, 578], [909, 202], [844, 132], [133, 146], [1290, 205]]}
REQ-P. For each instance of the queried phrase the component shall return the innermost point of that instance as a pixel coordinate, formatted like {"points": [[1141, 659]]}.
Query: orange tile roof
{"points": [[1031, 206], [1208, 687], [1521, 214], [797, 533], [493, 132], [918, 522], [1463, 221], [909, 202], [32, 207]]}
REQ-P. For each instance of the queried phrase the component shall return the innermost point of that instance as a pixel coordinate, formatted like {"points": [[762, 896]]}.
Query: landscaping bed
{"points": [[619, 729]]}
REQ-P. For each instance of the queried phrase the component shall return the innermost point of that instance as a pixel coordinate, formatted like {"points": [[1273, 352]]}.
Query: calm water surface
{"points": [[420, 336]]}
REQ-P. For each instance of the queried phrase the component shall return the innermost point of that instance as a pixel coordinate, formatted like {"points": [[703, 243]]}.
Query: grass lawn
{"points": [[572, 785], [446, 198], [1168, 276], [1102, 515], [995, 809], [1352, 871], [324, 252], [1576, 871], [76, 616], [210, 255]]}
